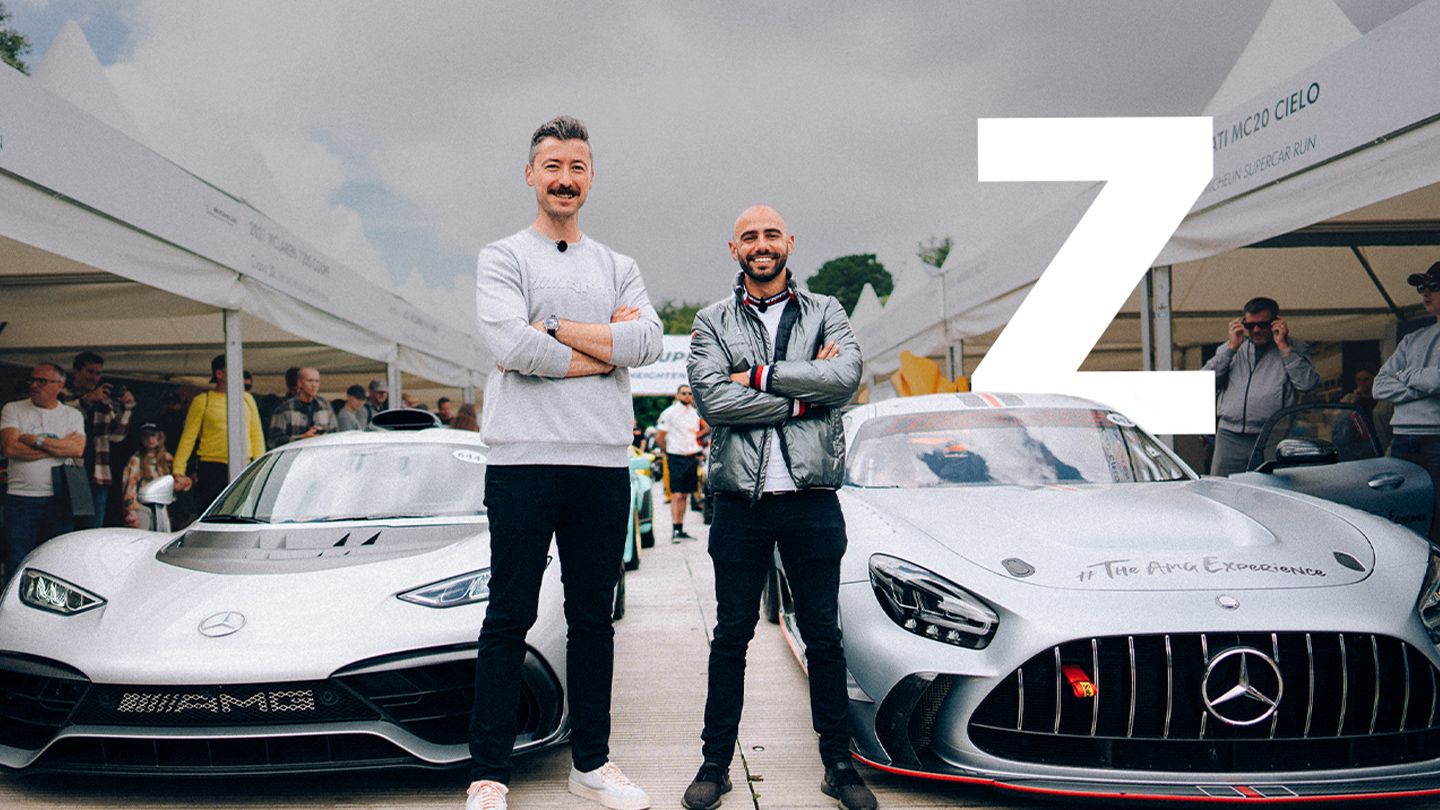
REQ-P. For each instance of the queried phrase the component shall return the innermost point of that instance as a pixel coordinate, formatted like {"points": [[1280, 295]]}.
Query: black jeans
{"points": [[1424, 450], [585, 509], [810, 532]]}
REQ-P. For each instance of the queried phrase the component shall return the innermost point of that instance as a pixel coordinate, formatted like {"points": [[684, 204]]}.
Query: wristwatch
{"points": [[39, 442], [552, 325]]}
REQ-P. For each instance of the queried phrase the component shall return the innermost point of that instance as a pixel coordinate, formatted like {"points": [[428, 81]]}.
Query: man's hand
{"points": [[181, 483], [309, 434], [828, 352], [1281, 332], [625, 314], [1236, 335], [100, 393], [127, 399], [741, 377]]}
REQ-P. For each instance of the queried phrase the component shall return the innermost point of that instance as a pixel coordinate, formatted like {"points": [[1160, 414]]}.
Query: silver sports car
{"points": [[1040, 596], [321, 615]]}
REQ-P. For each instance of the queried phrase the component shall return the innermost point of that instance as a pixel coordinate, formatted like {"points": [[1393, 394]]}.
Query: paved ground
{"points": [[659, 692]]}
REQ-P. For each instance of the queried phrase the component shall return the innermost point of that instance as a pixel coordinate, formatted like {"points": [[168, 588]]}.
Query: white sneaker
{"points": [[608, 786], [486, 795]]}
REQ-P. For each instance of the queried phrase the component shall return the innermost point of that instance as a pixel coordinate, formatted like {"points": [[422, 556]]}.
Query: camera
{"points": [[117, 391]]}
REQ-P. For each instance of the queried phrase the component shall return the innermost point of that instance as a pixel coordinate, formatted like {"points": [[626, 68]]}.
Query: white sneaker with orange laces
{"points": [[608, 786], [486, 795]]}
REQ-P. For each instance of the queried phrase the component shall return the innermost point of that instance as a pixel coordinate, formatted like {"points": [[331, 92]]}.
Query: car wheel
{"points": [[634, 562], [771, 598], [617, 610]]}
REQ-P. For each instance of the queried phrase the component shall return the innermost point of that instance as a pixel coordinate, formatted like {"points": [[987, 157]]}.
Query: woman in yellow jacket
{"points": [[205, 421]]}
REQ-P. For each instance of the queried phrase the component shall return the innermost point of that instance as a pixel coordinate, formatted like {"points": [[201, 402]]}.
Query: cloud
{"points": [[856, 121]]}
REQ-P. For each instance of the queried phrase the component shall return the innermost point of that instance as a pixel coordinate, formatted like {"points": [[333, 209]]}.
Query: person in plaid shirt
{"points": [[303, 415], [107, 422]]}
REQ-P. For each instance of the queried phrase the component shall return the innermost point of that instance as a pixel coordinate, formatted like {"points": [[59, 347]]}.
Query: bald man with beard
{"points": [[770, 367]]}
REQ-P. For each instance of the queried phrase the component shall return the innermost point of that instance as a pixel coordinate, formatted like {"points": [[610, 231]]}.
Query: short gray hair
{"points": [[561, 127]]}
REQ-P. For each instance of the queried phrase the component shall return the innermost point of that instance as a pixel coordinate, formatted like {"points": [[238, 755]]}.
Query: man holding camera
{"points": [[1259, 369], [107, 409]]}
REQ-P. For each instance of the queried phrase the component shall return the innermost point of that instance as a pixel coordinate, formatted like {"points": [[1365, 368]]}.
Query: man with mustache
{"points": [[564, 316], [770, 367]]}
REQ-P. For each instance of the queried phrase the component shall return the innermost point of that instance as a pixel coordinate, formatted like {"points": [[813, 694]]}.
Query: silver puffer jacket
{"points": [[729, 337]]}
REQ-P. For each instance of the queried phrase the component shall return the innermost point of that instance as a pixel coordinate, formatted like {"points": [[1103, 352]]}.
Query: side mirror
{"points": [[1301, 453], [161, 491]]}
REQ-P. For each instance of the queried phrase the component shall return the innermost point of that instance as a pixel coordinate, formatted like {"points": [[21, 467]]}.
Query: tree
{"points": [[934, 250], [846, 276], [13, 44], [678, 317]]}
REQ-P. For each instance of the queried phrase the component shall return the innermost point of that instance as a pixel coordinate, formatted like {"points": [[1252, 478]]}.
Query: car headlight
{"points": [[51, 593], [466, 589], [1429, 603], [929, 605]]}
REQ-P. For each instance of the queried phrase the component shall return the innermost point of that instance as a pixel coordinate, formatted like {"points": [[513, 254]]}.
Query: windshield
{"points": [[1030, 447], [357, 482]]}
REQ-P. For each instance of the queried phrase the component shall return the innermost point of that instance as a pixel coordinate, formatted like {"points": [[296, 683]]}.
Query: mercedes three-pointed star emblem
{"points": [[222, 624], [1252, 698]]}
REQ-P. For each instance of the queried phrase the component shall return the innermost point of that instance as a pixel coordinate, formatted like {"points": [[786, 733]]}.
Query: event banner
{"points": [[665, 375], [51, 144], [1359, 95]]}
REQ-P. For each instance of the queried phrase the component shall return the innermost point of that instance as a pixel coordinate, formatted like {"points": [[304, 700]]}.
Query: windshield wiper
{"points": [[341, 518], [231, 519]]}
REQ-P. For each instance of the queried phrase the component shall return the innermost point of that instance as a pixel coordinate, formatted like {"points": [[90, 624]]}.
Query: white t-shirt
{"points": [[31, 479], [681, 424], [777, 475]]}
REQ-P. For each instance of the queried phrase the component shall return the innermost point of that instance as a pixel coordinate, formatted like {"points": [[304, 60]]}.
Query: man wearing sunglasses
{"points": [[1259, 369], [1411, 380], [37, 435]]}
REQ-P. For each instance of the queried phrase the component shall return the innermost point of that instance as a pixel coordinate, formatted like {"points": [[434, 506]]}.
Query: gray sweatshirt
{"points": [[533, 413], [1411, 380], [1252, 386]]}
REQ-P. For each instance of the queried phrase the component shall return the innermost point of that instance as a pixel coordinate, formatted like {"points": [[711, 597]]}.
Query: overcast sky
{"points": [[398, 131]]}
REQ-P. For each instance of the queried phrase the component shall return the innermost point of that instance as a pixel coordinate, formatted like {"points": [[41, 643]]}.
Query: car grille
{"points": [[1349, 700], [247, 755], [433, 701], [37, 697], [229, 705]]}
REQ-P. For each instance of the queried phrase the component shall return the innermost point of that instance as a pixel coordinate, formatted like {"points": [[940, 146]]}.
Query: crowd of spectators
{"points": [[80, 419]]}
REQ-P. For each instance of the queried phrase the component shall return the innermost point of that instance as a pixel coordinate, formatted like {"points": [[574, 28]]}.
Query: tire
{"points": [[617, 610], [770, 600]]}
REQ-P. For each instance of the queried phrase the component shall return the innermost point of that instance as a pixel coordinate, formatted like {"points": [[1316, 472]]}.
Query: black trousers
{"points": [[810, 532], [585, 509]]}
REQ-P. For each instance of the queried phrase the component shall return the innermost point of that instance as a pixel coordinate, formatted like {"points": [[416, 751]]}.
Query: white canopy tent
{"points": [[105, 244], [1327, 208]]}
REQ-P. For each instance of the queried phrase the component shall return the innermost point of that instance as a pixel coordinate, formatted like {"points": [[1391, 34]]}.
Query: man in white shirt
{"points": [[37, 435], [677, 431]]}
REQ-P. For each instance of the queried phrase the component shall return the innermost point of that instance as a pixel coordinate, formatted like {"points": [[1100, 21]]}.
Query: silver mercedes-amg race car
{"points": [[1038, 595], [322, 614]]}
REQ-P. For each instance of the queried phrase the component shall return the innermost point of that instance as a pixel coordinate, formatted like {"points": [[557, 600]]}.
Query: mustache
{"points": [[565, 191]]}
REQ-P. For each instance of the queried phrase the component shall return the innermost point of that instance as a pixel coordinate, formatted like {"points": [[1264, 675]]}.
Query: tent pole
{"points": [[1369, 271], [392, 379], [235, 432], [467, 395], [1147, 321], [1163, 327]]}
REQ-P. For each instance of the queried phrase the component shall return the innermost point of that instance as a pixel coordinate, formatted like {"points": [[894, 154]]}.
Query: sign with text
{"points": [[661, 378]]}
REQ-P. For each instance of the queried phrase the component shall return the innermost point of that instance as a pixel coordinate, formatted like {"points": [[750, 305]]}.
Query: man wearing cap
{"points": [[353, 415], [1259, 369], [1411, 380], [205, 436], [564, 317], [379, 399]]}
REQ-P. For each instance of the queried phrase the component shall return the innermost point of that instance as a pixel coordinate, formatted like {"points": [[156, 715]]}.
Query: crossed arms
{"points": [[22, 446], [770, 394], [632, 337]]}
